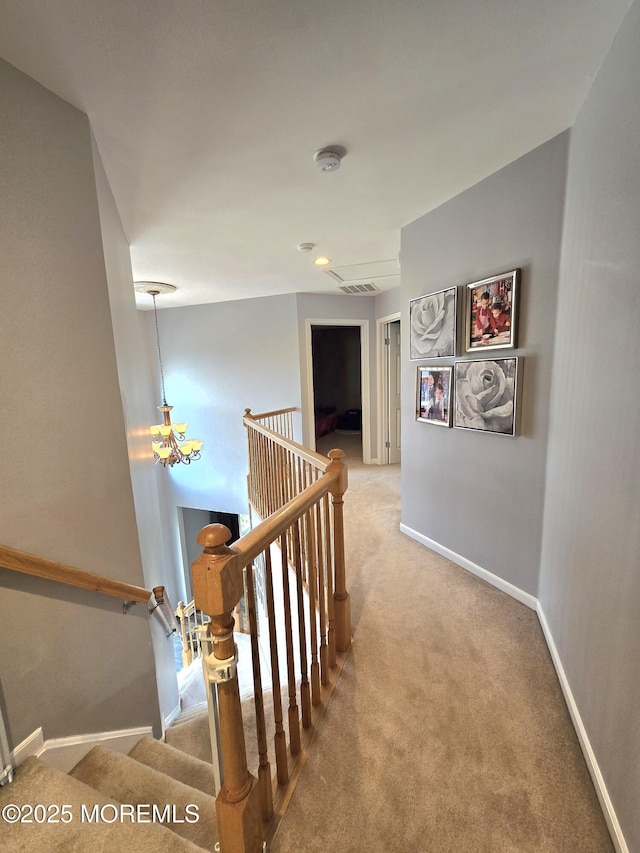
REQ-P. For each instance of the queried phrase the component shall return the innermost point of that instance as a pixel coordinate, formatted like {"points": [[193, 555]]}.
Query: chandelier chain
{"points": [[155, 313]]}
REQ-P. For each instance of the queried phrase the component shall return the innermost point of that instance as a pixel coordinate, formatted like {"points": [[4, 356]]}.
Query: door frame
{"points": [[309, 420], [383, 384]]}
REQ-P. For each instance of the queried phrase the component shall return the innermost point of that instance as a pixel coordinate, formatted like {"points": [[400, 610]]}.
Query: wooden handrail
{"points": [[30, 564], [253, 543], [249, 414], [164, 606], [317, 459]]}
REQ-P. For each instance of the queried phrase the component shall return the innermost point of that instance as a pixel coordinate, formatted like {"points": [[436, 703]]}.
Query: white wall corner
{"points": [[592, 763], [512, 590], [170, 718]]}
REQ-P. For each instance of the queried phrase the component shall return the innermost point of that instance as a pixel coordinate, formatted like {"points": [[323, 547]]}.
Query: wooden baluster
{"points": [[280, 451], [180, 613], [264, 768], [290, 470], [340, 594], [305, 695], [294, 722], [322, 598], [331, 636], [313, 624], [264, 467], [217, 586], [256, 473], [272, 481], [193, 654], [279, 740]]}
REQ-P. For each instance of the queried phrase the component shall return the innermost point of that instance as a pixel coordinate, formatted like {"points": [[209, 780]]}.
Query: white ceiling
{"points": [[207, 114]]}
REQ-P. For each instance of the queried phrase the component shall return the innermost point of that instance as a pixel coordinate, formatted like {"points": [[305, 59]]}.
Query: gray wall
{"points": [[220, 359], [590, 566], [136, 387], [388, 302], [70, 661], [482, 495]]}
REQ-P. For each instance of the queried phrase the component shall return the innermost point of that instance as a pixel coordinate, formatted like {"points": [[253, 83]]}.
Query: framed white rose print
{"points": [[485, 394], [432, 321], [434, 395], [491, 312]]}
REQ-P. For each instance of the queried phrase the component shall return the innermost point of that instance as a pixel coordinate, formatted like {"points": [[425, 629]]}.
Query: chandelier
{"points": [[168, 440]]}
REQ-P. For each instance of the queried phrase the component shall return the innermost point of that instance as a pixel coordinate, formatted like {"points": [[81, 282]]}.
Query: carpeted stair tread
{"points": [[37, 783], [175, 763], [129, 781], [191, 737]]}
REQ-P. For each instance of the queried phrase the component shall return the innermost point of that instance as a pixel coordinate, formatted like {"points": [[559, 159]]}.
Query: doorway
{"points": [[338, 384], [389, 389]]}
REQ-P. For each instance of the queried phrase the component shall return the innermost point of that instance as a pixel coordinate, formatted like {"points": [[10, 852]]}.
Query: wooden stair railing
{"points": [[279, 421], [304, 534], [29, 564]]}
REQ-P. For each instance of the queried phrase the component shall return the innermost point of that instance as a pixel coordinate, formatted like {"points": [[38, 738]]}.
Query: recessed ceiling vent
{"points": [[358, 288]]}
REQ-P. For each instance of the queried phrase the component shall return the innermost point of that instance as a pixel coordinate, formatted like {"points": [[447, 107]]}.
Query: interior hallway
{"points": [[448, 731]]}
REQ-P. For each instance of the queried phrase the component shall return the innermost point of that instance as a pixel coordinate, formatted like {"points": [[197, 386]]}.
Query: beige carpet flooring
{"points": [[448, 731]]}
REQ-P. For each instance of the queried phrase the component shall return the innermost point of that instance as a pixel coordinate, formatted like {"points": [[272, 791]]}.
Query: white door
{"points": [[393, 392]]}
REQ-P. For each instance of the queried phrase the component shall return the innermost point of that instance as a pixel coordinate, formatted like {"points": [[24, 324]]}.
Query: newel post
{"points": [[217, 588], [342, 604]]}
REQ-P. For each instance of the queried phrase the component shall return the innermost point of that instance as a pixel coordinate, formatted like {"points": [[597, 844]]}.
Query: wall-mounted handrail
{"points": [[31, 564]]}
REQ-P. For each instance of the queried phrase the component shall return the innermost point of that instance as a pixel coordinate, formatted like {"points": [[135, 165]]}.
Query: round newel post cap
{"points": [[336, 454], [213, 535], [247, 413]]}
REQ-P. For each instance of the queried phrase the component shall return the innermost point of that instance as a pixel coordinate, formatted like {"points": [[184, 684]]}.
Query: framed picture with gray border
{"points": [[432, 323], [491, 312], [485, 395], [433, 404]]}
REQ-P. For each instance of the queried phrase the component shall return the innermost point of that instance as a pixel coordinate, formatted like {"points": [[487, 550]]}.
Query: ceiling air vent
{"points": [[358, 288]]}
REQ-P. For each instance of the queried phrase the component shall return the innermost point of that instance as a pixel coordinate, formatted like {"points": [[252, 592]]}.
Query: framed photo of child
{"points": [[491, 312], [434, 395]]}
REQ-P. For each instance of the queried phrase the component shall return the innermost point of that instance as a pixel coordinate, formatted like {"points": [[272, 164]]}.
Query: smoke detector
{"points": [[327, 159], [306, 247]]}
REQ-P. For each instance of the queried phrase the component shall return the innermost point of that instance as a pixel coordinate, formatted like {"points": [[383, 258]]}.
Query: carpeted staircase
{"points": [[176, 773]]}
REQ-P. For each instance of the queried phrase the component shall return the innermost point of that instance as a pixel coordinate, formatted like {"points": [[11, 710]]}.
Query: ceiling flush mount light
{"points": [[167, 440], [329, 159], [322, 261]]}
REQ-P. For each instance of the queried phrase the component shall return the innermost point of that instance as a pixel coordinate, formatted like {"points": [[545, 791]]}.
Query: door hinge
{"points": [[387, 444], [387, 342]]}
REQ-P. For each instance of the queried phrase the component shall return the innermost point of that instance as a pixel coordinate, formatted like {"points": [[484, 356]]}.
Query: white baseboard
{"points": [[531, 601], [31, 745], [592, 763], [514, 591], [64, 753], [169, 719]]}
